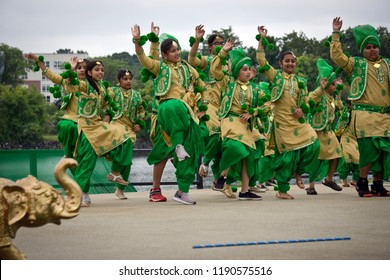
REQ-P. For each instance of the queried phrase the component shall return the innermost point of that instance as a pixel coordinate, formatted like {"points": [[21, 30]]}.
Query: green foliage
{"points": [[13, 64], [25, 115]]}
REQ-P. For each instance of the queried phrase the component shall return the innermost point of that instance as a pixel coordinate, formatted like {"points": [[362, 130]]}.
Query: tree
{"points": [[64, 51], [14, 65], [24, 113]]}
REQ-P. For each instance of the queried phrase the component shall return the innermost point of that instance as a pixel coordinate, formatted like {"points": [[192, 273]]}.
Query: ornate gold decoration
{"points": [[32, 203]]}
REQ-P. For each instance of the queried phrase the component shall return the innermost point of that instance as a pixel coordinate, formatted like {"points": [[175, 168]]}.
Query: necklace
{"points": [[126, 99], [243, 96], [292, 86], [380, 73]]}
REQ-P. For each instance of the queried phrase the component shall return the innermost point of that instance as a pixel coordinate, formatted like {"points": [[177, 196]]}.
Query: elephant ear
{"points": [[16, 198]]}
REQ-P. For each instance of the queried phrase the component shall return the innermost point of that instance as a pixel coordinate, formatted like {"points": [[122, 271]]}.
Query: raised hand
{"points": [[155, 29], [228, 45], [337, 24], [73, 62], [136, 32], [262, 31], [323, 83], [199, 32], [31, 56]]}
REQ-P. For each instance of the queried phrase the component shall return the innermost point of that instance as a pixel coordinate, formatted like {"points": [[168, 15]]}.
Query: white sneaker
{"points": [[183, 197], [257, 189], [86, 200], [181, 153], [119, 193]]}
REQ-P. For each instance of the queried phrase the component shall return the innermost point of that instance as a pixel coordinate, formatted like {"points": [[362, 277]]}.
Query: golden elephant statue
{"points": [[32, 203]]}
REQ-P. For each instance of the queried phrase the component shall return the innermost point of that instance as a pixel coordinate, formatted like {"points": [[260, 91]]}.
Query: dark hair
{"points": [[82, 60], [284, 54], [166, 45], [122, 73], [90, 66], [212, 37]]}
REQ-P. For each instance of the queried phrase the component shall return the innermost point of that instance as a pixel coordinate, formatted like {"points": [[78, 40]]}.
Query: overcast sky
{"points": [[104, 27]]}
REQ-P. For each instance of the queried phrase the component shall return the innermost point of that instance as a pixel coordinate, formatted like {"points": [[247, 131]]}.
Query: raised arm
{"points": [[336, 52], [192, 58], [147, 62], [154, 50], [260, 54], [54, 77], [216, 65]]}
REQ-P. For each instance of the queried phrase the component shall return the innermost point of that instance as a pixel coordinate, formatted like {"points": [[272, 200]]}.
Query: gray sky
{"points": [[104, 27]]}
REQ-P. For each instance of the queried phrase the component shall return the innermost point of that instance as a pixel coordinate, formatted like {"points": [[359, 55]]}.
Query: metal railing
{"points": [[17, 164]]}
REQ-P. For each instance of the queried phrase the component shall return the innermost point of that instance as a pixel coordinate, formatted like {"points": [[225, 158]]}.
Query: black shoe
{"points": [[332, 185], [220, 183], [311, 191], [377, 189], [248, 196], [270, 183], [362, 188]]}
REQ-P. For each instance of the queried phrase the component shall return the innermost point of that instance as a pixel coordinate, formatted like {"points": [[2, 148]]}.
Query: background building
{"points": [[55, 61]]}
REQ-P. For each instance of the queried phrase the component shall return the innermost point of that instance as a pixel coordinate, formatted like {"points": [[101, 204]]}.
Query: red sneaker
{"points": [[156, 196]]}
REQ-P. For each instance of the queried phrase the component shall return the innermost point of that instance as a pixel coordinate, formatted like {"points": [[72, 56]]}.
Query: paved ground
{"points": [[135, 229]]}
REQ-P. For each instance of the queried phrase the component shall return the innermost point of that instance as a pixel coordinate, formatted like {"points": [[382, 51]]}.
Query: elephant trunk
{"points": [[72, 189]]}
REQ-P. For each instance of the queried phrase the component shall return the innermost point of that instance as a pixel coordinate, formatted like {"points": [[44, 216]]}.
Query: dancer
{"points": [[211, 97], [238, 113], [370, 95], [130, 114], [97, 137], [174, 87], [322, 120], [67, 126], [297, 146]]}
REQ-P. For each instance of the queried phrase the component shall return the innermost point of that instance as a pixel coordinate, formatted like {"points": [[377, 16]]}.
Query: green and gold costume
{"points": [[130, 112], [297, 146], [370, 95], [212, 98], [67, 126], [238, 142], [174, 89], [96, 137]]}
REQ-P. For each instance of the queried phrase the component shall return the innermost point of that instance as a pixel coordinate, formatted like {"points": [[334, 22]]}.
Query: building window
{"points": [[47, 63], [48, 98], [45, 88]]}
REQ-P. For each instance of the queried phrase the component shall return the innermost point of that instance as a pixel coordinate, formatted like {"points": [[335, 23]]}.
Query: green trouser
{"points": [[375, 150], [86, 158], [187, 169], [121, 158], [304, 160], [344, 170], [233, 152], [265, 170], [323, 168], [160, 149], [213, 152], [176, 121], [67, 136]]}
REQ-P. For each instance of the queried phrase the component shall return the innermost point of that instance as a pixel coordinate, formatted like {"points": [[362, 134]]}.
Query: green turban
{"points": [[238, 59], [165, 36], [364, 35], [325, 71]]}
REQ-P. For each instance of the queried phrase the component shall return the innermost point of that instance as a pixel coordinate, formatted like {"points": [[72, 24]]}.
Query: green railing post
{"points": [[33, 163]]}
